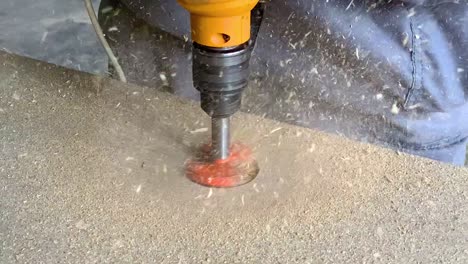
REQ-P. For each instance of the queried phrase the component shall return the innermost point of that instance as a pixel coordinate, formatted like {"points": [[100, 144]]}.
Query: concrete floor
{"points": [[91, 171]]}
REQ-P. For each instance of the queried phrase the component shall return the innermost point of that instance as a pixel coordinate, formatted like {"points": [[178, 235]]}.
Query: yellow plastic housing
{"points": [[219, 23]]}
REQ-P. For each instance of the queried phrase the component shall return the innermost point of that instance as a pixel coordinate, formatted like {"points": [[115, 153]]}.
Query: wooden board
{"points": [[92, 170]]}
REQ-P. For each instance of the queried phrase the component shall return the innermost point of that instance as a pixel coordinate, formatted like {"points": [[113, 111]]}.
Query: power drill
{"points": [[221, 54]]}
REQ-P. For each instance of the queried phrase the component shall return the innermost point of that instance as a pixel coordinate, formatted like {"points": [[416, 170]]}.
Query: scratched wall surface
{"points": [[55, 31]]}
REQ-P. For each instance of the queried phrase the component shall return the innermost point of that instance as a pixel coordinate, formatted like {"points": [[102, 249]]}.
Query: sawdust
{"points": [[318, 197]]}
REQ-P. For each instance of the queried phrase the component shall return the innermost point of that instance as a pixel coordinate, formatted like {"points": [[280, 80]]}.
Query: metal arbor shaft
{"points": [[220, 137]]}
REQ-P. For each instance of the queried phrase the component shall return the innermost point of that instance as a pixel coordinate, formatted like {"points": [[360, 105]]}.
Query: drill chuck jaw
{"points": [[220, 75]]}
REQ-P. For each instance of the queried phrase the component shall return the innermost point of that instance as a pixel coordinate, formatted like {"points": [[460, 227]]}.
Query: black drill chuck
{"points": [[221, 74]]}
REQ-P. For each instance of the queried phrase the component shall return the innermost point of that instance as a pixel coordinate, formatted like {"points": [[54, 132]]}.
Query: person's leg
{"points": [[386, 73]]}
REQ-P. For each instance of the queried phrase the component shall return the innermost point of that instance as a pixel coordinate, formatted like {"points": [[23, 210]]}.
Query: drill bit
{"points": [[220, 137]]}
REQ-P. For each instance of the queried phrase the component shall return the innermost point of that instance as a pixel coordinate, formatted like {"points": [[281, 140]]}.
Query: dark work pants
{"points": [[393, 73]]}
